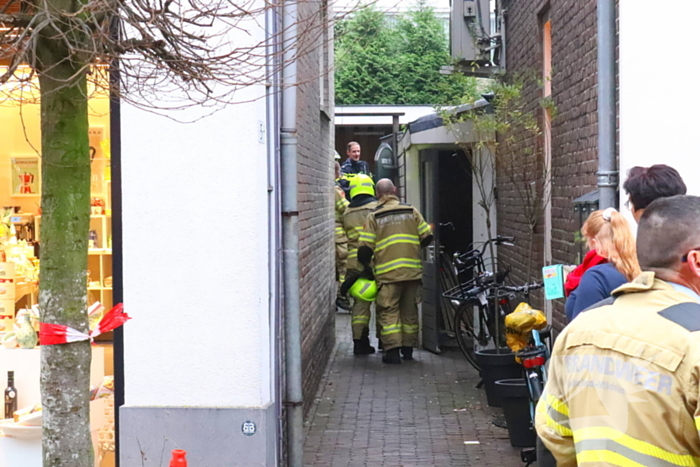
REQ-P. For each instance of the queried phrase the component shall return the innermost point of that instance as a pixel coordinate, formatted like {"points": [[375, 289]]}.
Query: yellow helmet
{"points": [[364, 289], [361, 184]]}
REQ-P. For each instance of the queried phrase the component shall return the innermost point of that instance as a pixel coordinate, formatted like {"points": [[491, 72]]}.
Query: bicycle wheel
{"points": [[448, 280], [464, 332]]}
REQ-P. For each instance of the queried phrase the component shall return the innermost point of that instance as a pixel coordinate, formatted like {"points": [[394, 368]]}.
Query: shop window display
{"points": [[20, 263]]}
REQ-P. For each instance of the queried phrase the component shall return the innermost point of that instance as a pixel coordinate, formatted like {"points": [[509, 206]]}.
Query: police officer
{"points": [[363, 202], [351, 167], [353, 164], [394, 235], [624, 377], [341, 241]]}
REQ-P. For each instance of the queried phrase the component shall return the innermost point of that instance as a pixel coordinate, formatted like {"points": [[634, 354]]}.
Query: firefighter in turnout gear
{"points": [[624, 376], [341, 241], [363, 202], [394, 235]]}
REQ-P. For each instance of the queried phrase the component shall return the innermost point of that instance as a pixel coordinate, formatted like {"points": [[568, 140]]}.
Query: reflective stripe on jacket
{"points": [[353, 220], [341, 205], [394, 231], [623, 381]]}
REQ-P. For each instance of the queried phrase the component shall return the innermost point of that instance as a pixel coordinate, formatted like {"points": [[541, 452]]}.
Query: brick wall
{"points": [[316, 221], [574, 128]]}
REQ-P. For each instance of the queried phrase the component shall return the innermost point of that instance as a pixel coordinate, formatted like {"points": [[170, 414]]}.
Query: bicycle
{"points": [[481, 289], [534, 362], [533, 356]]}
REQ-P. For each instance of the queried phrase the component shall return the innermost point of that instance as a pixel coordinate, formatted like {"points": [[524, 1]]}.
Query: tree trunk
{"points": [[65, 206]]}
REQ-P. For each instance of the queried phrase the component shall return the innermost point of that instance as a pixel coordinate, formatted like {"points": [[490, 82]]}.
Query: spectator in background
{"points": [[646, 184], [573, 279], [609, 234], [643, 185]]}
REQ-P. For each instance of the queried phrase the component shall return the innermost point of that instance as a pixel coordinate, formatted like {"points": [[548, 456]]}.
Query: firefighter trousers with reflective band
{"points": [[361, 313], [341, 259], [397, 313]]}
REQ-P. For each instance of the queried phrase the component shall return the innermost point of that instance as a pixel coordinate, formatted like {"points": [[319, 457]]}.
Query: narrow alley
{"points": [[427, 412]]}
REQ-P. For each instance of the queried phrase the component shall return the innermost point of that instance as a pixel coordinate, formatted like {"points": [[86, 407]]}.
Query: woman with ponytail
{"points": [[608, 233]]}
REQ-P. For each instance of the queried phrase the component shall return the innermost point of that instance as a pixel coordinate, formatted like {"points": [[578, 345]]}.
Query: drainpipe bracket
{"points": [[609, 178]]}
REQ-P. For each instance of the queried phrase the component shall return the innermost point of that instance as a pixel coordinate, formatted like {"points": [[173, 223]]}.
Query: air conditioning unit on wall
{"points": [[470, 31]]}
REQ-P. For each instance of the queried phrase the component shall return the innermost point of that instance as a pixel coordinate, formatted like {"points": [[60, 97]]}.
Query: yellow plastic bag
{"points": [[520, 324]]}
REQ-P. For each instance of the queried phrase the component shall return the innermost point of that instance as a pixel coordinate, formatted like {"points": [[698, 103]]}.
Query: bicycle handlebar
{"points": [[499, 240], [522, 288], [460, 258]]}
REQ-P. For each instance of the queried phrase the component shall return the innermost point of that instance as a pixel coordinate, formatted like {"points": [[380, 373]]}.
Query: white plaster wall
{"points": [[196, 258], [413, 184], [659, 95]]}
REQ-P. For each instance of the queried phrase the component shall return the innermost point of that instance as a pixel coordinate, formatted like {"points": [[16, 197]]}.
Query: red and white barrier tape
{"points": [[53, 334]]}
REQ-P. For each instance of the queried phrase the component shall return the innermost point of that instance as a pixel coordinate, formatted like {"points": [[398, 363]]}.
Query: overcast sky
{"points": [[344, 5]]}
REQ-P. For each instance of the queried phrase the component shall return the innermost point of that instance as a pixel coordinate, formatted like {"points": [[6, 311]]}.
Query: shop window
{"points": [[20, 252]]}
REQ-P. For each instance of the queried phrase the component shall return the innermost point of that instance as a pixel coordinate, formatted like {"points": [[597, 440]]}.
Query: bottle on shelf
{"points": [[92, 239], [178, 458], [10, 395]]}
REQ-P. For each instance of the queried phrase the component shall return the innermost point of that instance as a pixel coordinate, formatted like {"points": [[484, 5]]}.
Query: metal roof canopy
{"points": [[369, 114]]}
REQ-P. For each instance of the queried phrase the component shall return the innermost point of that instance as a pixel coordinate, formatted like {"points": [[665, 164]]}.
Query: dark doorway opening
{"points": [[455, 202], [446, 203]]}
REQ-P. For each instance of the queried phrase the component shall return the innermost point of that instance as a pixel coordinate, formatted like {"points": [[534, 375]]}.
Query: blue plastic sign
{"points": [[553, 277]]}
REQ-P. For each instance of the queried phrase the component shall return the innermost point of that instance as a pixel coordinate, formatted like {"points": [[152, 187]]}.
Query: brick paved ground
{"points": [[370, 414]]}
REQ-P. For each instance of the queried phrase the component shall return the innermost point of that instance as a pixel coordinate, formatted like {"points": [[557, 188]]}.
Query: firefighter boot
{"points": [[362, 347], [407, 353], [392, 356], [365, 341]]}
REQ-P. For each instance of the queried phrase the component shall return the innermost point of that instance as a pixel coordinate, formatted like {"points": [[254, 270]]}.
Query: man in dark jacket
{"points": [[353, 164]]}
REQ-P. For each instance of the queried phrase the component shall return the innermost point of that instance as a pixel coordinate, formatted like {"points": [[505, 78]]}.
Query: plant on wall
{"points": [[503, 138]]}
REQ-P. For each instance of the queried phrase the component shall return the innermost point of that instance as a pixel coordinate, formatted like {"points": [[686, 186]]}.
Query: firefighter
{"points": [[341, 242], [624, 376], [394, 235], [362, 203]]}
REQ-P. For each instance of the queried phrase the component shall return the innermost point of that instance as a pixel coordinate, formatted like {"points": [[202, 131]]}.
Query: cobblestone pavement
{"points": [[421, 413]]}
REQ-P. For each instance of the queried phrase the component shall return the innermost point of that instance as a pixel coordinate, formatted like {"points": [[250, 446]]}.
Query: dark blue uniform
{"points": [[355, 167]]}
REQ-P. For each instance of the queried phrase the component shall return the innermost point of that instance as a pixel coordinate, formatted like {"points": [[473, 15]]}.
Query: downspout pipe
{"points": [[272, 26], [608, 174], [294, 401]]}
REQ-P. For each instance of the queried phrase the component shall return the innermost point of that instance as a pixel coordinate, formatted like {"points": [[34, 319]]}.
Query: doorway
{"points": [[446, 204]]}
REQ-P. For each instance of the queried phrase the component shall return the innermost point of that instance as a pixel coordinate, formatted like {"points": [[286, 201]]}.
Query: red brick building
{"points": [[553, 42]]}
